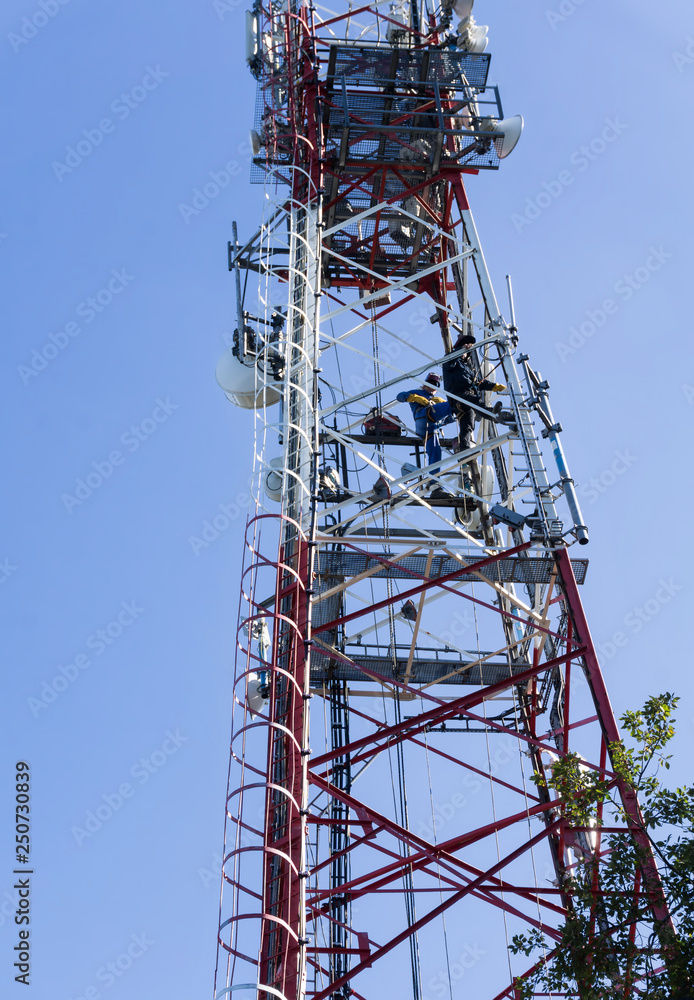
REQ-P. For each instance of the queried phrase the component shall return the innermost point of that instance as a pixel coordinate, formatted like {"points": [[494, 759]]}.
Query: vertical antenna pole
{"points": [[511, 306], [237, 277]]}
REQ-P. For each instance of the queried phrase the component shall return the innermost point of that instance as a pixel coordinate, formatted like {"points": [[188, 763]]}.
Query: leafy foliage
{"points": [[612, 945]]}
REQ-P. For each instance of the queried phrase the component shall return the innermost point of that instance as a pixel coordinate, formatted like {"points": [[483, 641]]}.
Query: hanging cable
{"points": [[491, 790], [438, 866], [527, 808], [399, 800]]}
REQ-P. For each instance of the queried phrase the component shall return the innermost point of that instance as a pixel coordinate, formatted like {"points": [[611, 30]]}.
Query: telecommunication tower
{"points": [[412, 648]]}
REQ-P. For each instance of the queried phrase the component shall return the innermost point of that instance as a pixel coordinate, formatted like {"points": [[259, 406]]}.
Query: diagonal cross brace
{"points": [[436, 582], [611, 736], [437, 911], [420, 723], [426, 851]]}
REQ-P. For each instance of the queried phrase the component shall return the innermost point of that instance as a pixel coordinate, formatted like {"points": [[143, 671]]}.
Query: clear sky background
{"points": [[119, 225]]}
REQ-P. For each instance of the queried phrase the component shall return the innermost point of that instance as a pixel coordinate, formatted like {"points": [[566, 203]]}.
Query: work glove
{"points": [[437, 399], [497, 387], [414, 397]]}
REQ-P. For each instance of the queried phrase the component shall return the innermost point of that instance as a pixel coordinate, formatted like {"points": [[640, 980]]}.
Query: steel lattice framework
{"points": [[405, 662]]}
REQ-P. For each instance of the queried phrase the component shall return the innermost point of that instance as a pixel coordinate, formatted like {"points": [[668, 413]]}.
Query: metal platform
{"points": [[533, 570], [409, 441], [462, 74], [405, 130], [366, 64], [423, 670]]}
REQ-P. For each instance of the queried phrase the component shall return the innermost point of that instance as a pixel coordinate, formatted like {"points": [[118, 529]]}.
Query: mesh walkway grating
{"points": [[365, 65], [423, 670], [531, 570]]}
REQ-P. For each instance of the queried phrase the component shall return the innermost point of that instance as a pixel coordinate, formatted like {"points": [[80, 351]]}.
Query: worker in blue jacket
{"points": [[430, 412]]}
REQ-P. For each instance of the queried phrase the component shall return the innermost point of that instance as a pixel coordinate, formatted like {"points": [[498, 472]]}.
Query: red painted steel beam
{"points": [[451, 864], [420, 864], [530, 740], [441, 582], [611, 736], [334, 654], [437, 911], [456, 182], [361, 10], [367, 839], [426, 851], [438, 581], [325, 972], [484, 893], [574, 725], [421, 722], [388, 563], [476, 770]]}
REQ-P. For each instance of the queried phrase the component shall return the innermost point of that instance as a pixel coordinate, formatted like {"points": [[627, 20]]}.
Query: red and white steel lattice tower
{"points": [[411, 642]]}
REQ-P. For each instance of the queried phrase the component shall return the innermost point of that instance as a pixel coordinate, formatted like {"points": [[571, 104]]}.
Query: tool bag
{"points": [[381, 424]]}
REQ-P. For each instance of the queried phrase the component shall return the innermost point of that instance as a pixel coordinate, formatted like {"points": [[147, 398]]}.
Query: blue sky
{"points": [[117, 294]]}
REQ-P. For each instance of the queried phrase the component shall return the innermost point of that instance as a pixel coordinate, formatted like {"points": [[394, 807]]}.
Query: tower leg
{"points": [[611, 736]]}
